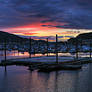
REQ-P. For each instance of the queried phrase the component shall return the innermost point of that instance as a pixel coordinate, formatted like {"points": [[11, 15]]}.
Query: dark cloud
{"points": [[76, 13]]}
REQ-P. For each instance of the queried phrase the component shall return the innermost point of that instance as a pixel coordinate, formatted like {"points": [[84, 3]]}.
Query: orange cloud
{"points": [[28, 34], [36, 29]]}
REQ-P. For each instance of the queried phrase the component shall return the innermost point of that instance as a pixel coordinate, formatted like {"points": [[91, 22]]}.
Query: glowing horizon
{"points": [[37, 31]]}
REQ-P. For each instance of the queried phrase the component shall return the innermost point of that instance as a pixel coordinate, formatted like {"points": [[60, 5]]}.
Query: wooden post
{"points": [[81, 45], [76, 49], [90, 49], [30, 47], [18, 46], [56, 50], [47, 47], [34, 51], [14, 43], [5, 52]]}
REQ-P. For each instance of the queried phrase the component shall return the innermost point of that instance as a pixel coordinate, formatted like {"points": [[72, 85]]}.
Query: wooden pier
{"points": [[47, 63]]}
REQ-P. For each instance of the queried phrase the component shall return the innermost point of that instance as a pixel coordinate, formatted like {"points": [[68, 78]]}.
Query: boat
{"points": [[59, 67]]}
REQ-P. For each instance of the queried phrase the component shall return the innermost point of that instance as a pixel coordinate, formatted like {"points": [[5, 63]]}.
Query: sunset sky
{"points": [[46, 18]]}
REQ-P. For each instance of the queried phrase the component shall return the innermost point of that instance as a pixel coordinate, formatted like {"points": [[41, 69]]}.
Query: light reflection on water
{"points": [[19, 79], [16, 54]]}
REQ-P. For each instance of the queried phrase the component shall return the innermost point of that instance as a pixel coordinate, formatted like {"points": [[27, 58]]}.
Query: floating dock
{"points": [[48, 63]]}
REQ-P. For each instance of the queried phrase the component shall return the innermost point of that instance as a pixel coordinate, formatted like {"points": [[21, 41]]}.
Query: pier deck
{"points": [[45, 59], [42, 62]]}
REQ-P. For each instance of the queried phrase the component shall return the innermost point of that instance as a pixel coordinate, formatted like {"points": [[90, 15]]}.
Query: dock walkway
{"points": [[46, 60]]}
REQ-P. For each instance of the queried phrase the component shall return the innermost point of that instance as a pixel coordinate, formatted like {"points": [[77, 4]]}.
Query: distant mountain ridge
{"points": [[10, 37], [84, 36]]}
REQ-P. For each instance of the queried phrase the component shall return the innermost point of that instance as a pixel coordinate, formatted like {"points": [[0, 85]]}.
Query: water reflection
{"points": [[19, 79], [15, 54]]}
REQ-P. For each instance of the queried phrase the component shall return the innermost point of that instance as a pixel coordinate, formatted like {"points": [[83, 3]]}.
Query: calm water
{"points": [[19, 79]]}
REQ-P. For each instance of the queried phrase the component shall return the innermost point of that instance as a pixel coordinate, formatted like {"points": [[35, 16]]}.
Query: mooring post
{"points": [[81, 45], [90, 49], [56, 50], [18, 47], [14, 43], [34, 51], [47, 47], [30, 47], [5, 58], [76, 49]]}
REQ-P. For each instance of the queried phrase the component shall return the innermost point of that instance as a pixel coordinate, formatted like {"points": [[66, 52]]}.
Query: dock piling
{"points": [[30, 47], [47, 47], [56, 50], [90, 49], [5, 58], [76, 47]]}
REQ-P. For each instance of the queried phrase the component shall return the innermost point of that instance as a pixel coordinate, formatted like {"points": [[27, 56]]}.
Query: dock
{"points": [[48, 63]]}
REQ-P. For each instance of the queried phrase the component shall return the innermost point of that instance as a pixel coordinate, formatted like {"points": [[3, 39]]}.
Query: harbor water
{"points": [[20, 79]]}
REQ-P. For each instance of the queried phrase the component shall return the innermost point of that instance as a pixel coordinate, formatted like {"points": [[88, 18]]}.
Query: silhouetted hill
{"points": [[10, 37], [15, 38], [85, 36], [5, 36], [80, 37]]}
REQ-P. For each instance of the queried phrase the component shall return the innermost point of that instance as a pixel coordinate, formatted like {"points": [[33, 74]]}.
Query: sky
{"points": [[46, 18]]}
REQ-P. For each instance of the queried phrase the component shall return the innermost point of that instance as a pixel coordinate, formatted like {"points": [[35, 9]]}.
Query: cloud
{"points": [[76, 14]]}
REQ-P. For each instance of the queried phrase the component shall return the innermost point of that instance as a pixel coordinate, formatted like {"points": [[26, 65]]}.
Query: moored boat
{"points": [[59, 67]]}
